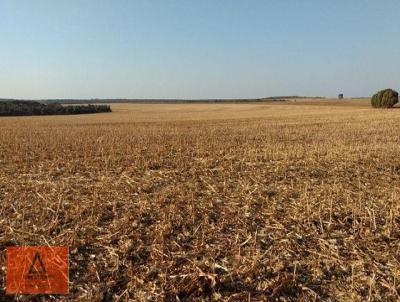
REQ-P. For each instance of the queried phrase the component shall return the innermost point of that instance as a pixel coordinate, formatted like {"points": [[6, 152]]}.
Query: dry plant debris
{"points": [[286, 202]]}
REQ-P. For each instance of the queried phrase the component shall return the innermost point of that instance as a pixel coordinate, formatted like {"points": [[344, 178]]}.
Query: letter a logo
{"points": [[37, 267], [36, 270]]}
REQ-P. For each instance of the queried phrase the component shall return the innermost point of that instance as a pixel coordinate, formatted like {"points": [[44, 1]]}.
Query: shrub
{"points": [[17, 108], [385, 99]]}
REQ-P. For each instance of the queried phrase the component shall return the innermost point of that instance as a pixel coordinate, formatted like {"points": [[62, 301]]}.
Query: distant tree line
{"points": [[21, 108], [166, 101]]}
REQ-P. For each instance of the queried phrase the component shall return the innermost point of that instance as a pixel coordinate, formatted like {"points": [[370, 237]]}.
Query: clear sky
{"points": [[197, 49]]}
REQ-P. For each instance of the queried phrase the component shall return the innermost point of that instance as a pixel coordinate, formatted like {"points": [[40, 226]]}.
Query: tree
{"points": [[385, 99]]}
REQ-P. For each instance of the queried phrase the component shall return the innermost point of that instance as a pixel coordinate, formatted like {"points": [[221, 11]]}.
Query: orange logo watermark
{"points": [[37, 270]]}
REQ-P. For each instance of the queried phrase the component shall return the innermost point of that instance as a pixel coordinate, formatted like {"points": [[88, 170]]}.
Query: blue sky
{"points": [[197, 49]]}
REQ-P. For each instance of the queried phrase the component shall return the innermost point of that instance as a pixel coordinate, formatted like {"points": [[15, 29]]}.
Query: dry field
{"points": [[294, 201]]}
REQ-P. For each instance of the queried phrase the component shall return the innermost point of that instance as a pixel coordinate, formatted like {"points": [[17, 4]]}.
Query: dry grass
{"points": [[243, 202]]}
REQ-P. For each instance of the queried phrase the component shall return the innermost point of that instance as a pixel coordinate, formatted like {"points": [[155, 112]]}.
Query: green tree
{"points": [[385, 99]]}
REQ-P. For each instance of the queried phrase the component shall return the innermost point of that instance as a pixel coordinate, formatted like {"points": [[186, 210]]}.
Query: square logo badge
{"points": [[37, 270]]}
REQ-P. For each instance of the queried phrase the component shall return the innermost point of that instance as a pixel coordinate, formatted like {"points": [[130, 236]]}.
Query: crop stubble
{"points": [[241, 202]]}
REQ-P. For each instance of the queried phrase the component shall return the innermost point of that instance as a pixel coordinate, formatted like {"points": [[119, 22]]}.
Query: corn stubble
{"points": [[299, 205]]}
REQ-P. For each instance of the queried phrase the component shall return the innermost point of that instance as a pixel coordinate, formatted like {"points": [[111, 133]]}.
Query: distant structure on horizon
{"points": [[340, 97]]}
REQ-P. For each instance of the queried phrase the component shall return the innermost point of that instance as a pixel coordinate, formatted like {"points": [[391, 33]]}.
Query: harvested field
{"points": [[296, 201]]}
